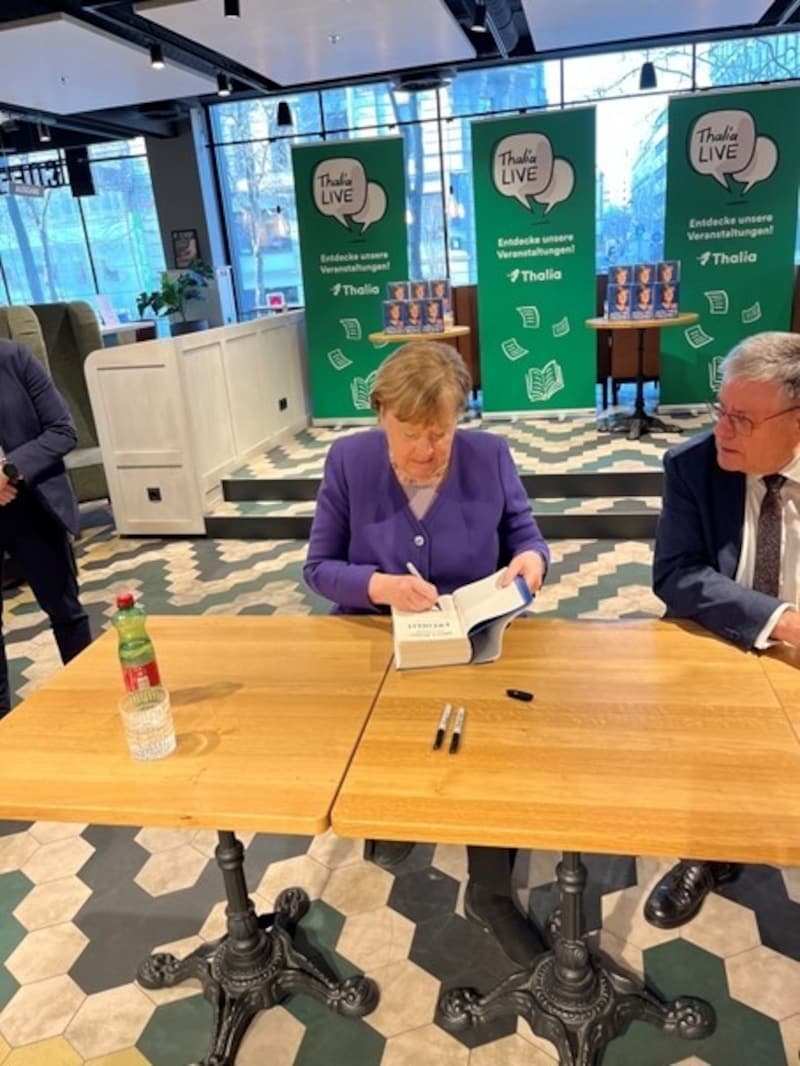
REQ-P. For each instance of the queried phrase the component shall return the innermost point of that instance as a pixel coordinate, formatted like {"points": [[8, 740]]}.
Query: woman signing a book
{"points": [[419, 490]]}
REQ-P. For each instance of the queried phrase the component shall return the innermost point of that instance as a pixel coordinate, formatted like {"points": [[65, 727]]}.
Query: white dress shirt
{"points": [[789, 588]]}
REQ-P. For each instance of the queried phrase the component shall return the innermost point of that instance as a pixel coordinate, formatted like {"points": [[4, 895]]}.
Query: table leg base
{"points": [[239, 984], [580, 1024], [638, 425]]}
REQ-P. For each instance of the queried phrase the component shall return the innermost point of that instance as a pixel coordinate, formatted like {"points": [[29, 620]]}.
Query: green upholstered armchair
{"points": [[71, 332], [20, 324]]}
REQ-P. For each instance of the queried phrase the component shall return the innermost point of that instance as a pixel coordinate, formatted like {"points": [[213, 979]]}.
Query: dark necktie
{"points": [[767, 572]]}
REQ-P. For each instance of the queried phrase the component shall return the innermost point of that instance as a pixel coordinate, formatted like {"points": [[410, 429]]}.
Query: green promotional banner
{"points": [[733, 167], [351, 207], [535, 216]]}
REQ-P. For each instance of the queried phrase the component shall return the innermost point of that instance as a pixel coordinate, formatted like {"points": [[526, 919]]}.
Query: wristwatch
{"points": [[11, 471]]}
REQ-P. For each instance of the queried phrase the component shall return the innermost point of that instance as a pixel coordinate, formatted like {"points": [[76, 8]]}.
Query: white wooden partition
{"points": [[175, 415]]}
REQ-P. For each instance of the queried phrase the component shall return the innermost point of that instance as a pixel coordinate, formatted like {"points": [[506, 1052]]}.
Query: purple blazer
{"points": [[479, 520]]}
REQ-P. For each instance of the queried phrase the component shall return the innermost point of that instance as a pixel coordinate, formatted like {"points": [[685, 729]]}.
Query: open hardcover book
{"points": [[468, 626]]}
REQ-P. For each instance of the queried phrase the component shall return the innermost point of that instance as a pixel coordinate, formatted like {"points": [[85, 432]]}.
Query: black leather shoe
{"points": [[679, 895], [497, 915], [387, 853]]}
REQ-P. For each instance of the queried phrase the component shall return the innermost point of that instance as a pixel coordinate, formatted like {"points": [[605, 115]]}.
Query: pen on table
{"points": [[458, 729], [441, 728], [415, 573]]}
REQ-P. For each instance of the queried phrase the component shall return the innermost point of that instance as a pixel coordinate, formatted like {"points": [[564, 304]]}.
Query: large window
{"points": [[60, 247], [256, 172]]}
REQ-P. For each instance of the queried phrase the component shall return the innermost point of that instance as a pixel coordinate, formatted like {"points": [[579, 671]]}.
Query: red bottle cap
{"points": [[125, 599]]}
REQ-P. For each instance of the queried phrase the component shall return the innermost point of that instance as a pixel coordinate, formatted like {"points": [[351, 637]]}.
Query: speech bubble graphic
{"points": [[761, 165], [522, 166], [374, 206], [722, 143], [561, 185], [340, 187]]}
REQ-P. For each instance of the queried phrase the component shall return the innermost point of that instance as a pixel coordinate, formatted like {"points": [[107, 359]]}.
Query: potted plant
{"points": [[175, 293]]}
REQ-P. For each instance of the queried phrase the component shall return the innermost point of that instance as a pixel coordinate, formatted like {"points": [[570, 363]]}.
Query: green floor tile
{"points": [[317, 935], [8, 986], [14, 887], [743, 1037], [12, 933], [331, 1040], [178, 1033]]}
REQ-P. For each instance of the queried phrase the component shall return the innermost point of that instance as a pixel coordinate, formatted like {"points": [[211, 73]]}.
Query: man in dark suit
{"points": [[38, 510], [727, 549]]}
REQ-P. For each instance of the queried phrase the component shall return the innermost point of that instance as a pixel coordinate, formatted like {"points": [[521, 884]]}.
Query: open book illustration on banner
{"points": [[361, 390], [543, 382], [467, 627]]}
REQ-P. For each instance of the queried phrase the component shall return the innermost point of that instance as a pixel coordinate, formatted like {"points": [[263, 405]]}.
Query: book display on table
{"points": [[465, 627], [417, 306]]}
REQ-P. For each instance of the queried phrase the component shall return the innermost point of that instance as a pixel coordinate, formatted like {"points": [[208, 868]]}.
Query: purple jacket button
{"points": [[419, 540]]}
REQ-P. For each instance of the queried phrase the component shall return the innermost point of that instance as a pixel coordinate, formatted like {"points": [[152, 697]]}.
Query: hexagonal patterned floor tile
{"points": [[274, 1038], [790, 1031], [722, 927], [89, 1033], [429, 1043], [178, 1033], [333, 851], [15, 850], [376, 938], [46, 953], [764, 890], [55, 1052], [765, 980], [408, 998], [4, 1049], [743, 1036], [622, 911], [50, 832], [52, 902], [301, 871], [129, 1057], [60, 859], [171, 871], [356, 888], [40, 1011], [154, 840], [509, 1051]]}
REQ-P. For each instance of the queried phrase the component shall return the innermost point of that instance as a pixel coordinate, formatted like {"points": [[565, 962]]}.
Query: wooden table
{"points": [[267, 713], [701, 759], [639, 422], [405, 338]]}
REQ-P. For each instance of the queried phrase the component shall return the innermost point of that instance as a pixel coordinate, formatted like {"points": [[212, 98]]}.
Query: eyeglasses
{"points": [[741, 425]]}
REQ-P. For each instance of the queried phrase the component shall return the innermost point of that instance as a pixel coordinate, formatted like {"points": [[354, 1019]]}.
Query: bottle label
{"points": [[144, 676]]}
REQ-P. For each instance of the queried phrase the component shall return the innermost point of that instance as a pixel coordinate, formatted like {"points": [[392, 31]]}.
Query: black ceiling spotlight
{"points": [[232, 9], [284, 117], [43, 132], [647, 78], [156, 57], [223, 85], [479, 17]]}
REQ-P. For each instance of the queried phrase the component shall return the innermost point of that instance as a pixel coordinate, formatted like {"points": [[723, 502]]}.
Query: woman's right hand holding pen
{"points": [[404, 592]]}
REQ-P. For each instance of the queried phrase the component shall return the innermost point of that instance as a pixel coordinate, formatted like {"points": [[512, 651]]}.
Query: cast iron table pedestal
{"points": [[255, 966], [577, 999], [639, 421]]}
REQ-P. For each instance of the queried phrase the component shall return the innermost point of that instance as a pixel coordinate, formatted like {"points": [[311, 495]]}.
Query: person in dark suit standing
{"points": [[38, 509], [727, 551]]}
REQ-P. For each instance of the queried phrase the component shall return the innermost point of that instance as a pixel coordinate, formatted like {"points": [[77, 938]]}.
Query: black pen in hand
{"points": [[458, 729], [441, 728]]}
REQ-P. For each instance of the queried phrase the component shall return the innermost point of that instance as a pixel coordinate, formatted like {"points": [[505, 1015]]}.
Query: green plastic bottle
{"points": [[137, 656]]}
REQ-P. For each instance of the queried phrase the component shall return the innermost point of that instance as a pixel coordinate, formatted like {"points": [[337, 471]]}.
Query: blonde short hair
{"points": [[420, 381]]}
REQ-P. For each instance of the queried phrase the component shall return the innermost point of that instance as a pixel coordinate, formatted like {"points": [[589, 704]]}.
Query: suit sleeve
{"points": [[327, 570], [685, 579], [57, 434], [519, 531]]}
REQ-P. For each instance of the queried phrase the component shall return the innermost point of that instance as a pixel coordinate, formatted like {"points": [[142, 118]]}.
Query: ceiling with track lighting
{"points": [[83, 66]]}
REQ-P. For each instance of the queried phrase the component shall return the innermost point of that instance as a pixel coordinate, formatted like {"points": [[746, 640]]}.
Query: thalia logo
{"points": [[727, 258], [354, 290], [534, 275]]}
